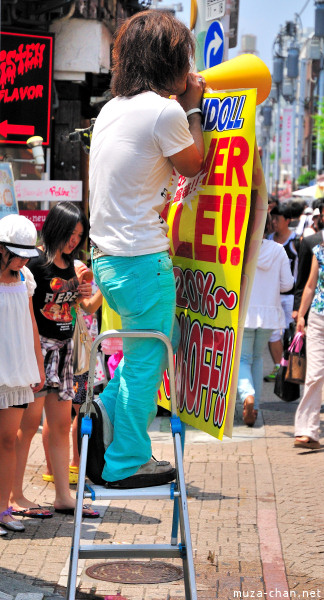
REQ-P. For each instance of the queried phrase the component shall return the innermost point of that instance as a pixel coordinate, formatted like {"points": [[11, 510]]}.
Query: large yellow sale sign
{"points": [[208, 217]]}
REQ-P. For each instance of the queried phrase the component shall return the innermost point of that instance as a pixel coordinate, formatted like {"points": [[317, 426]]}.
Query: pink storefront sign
{"points": [[36, 216]]}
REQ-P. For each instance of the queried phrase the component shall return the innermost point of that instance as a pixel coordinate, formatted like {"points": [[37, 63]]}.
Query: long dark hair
{"points": [[58, 228], [151, 51]]}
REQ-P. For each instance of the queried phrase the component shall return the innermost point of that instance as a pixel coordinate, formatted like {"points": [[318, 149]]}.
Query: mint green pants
{"points": [[141, 289]]}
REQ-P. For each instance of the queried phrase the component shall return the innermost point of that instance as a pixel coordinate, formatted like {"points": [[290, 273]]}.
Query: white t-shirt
{"points": [[272, 277], [130, 172]]}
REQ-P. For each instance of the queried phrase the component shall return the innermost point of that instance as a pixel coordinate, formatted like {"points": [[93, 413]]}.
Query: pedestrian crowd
{"points": [[287, 298], [151, 125]]}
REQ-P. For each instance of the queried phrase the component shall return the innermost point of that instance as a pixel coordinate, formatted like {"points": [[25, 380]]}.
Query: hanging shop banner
{"points": [[26, 71], [286, 136], [8, 202], [208, 217]]}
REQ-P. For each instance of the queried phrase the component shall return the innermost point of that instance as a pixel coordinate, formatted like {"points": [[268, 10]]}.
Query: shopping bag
{"points": [[296, 368], [82, 343], [285, 390]]}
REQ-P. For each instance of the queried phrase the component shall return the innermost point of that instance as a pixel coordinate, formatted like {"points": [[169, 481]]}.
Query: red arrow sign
{"points": [[16, 129]]}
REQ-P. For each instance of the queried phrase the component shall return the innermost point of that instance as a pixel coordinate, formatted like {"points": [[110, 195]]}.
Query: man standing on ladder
{"points": [[138, 137]]}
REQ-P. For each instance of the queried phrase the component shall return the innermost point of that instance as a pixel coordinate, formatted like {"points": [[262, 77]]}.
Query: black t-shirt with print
{"points": [[54, 296]]}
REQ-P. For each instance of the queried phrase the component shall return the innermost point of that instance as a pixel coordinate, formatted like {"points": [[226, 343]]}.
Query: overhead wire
{"points": [[302, 10]]}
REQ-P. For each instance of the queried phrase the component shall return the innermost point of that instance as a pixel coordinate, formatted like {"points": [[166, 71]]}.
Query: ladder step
{"points": [[157, 492], [131, 551]]}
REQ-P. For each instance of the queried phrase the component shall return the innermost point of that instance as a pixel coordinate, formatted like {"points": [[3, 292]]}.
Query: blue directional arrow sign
{"points": [[214, 45]]}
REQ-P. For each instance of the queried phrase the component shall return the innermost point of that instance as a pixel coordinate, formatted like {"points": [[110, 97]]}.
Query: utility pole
{"points": [[286, 61], [319, 32], [277, 78], [292, 74]]}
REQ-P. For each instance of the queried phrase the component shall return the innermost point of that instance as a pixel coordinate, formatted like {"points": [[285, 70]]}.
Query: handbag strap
{"points": [[297, 343]]}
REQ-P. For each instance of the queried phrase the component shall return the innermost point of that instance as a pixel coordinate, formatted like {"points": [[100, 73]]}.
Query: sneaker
{"points": [[154, 472], [273, 374]]}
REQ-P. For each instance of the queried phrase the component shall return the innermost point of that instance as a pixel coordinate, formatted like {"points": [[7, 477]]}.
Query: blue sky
{"points": [[263, 19]]}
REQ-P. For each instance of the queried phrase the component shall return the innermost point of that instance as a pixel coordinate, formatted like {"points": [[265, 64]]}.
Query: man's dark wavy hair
{"points": [[152, 49]]}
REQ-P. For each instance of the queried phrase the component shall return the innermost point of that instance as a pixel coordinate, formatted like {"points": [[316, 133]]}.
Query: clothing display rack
{"points": [[175, 491]]}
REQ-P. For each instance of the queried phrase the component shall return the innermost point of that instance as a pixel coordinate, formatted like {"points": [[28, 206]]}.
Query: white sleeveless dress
{"points": [[18, 364]]}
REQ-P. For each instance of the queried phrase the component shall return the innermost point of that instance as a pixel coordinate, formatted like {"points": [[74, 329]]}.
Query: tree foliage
{"points": [[305, 178], [319, 125]]}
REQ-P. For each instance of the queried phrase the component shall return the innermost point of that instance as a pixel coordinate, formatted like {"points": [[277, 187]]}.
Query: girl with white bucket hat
{"points": [[21, 365]]}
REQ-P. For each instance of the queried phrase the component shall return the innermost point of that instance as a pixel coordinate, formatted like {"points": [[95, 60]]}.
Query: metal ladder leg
{"points": [[178, 493], [187, 557], [175, 519], [76, 536]]}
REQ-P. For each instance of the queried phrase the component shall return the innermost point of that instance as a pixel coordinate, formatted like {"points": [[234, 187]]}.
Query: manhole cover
{"points": [[135, 572]]}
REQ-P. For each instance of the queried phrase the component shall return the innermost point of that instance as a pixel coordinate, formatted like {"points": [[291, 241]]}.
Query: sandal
{"points": [[307, 443], [249, 413], [73, 476], [33, 512], [87, 512]]}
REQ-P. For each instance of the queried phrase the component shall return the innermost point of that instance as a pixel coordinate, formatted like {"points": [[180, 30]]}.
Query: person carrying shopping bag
{"points": [[307, 418], [58, 289]]}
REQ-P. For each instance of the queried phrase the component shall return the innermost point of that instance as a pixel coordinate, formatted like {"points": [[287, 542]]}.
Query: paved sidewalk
{"points": [[256, 516]]}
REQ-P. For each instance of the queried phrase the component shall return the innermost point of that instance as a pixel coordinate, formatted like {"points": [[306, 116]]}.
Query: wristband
{"points": [[192, 111]]}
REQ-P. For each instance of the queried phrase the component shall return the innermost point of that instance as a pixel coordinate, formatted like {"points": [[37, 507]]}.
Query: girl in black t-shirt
{"points": [[58, 289]]}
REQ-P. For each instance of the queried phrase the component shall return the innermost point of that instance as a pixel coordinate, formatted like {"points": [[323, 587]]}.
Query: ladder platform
{"points": [[157, 492], [131, 551]]}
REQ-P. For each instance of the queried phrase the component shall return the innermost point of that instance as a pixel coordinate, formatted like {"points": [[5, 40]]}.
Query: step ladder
{"points": [[175, 491]]}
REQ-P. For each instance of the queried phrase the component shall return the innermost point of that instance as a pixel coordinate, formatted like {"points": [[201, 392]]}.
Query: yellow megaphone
{"points": [[243, 72]]}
